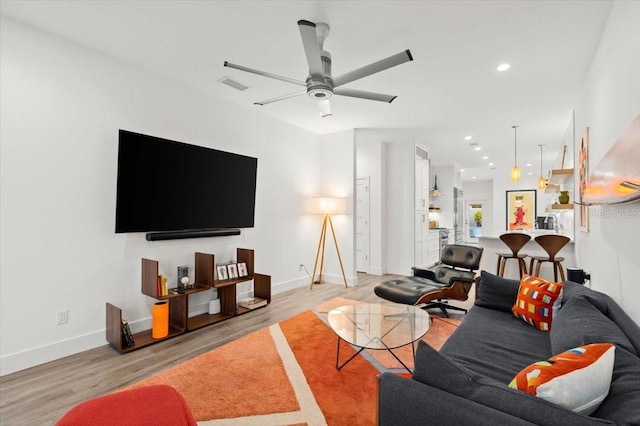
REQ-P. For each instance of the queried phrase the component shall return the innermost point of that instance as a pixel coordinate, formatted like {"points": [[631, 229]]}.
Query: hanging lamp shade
{"points": [[542, 182], [515, 171]]}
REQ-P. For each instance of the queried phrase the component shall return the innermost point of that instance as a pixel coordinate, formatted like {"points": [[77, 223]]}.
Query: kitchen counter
{"points": [[493, 244]]}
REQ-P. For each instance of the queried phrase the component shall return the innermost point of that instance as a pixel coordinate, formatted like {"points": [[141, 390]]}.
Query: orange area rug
{"points": [[285, 375]]}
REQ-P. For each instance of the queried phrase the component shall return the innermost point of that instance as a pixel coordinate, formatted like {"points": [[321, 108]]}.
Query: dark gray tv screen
{"points": [[164, 185]]}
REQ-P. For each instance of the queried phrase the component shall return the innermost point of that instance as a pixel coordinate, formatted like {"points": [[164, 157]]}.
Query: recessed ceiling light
{"points": [[503, 67], [528, 164], [484, 157], [477, 148], [473, 177], [467, 138], [530, 173], [490, 164], [462, 170]]}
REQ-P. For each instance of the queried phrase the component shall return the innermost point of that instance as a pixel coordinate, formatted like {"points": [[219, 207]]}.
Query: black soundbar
{"points": [[201, 233]]}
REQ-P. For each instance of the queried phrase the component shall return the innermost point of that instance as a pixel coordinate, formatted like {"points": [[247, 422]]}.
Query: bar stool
{"points": [[552, 245], [515, 241]]}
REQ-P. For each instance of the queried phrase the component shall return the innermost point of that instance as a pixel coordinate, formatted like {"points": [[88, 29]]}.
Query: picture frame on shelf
{"points": [[242, 269], [233, 270], [521, 209], [222, 272]]}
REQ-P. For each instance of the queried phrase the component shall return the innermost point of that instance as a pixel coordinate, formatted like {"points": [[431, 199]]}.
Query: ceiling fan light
{"points": [[320, 93], [515, 174]]}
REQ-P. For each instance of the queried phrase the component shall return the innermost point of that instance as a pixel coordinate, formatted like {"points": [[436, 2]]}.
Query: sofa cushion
{"points": [[437, 370], [486, 335], [537, 300], [495, 292], [579, 322], [609, 308], [622, 405], [577, 379]]}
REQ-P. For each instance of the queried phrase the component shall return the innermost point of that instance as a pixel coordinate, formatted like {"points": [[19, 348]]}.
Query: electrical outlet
{"points": [[300, 267], [62, 316]]}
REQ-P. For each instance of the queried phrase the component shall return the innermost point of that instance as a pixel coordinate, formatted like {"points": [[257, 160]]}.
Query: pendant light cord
{"points": [[515, 145]]}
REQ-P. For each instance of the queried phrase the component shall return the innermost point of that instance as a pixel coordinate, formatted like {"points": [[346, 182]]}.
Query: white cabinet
{"points": [[433, 248], [407, 206]]}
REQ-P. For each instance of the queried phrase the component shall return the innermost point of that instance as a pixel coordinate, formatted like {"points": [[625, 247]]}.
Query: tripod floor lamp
{"points": [[326, 207]]}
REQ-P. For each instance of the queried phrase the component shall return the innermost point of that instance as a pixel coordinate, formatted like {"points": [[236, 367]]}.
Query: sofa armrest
{"points": [[408, 402]]}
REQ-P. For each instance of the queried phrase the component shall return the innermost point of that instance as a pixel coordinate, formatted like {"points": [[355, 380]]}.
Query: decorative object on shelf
{"points": [[326, 207], [252, 302], [183, 272], [521, 209], [563, 198], [232, 268], [214, 306], [477, 216], [127, 336], [616, 178], [515, 171], [542, 182], [160, 317], [242, 269], [222, 272]]}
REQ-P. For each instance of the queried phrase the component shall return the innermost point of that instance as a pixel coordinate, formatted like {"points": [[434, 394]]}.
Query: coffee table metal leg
{"points": [[338, 366]]}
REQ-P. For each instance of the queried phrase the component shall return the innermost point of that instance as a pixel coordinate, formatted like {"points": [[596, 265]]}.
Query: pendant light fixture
{"points": [[515, 171], [542, 182]]}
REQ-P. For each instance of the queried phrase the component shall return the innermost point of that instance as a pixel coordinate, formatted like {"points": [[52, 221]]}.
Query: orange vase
{"points": [[160, 318]]}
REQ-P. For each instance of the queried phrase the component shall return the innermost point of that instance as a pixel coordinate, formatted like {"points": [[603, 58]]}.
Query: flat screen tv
{"points": [[164, 185]]}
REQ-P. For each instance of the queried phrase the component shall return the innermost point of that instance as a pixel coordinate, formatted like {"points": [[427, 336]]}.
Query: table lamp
{"points": [[326, 206]]}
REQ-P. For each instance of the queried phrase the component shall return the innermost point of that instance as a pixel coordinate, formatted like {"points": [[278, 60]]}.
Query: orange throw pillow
{"points": [[578, 379], [537, 299]]}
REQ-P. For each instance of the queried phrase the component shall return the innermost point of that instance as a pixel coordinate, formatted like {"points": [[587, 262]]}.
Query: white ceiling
{"points": [[450, 90]]}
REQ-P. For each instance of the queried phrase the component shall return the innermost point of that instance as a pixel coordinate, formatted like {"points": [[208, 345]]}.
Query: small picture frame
{"points": [[242, 269], [233, 270], [222, 272]]}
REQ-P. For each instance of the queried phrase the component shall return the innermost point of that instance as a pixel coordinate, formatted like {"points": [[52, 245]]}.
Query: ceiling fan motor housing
{"points": [[321, 87]]}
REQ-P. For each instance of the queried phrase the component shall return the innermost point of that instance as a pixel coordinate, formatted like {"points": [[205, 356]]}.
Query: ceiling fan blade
{"points": [[280, 98], [325, 108], [265, 74], [381, 65], [364, 95], [311, 47]]}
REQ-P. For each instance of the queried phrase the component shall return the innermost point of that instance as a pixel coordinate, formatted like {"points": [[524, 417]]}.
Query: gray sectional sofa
{"points": [[466, 383]]}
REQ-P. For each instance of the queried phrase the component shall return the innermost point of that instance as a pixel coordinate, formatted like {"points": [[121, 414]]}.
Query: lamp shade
{"points": [[328, 205], [515, 174]]}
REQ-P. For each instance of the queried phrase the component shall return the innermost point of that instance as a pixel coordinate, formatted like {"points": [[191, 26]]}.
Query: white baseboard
{"points": [[41, 355]]}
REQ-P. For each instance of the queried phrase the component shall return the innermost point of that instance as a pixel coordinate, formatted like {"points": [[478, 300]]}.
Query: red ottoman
{"points": [[159, 405]]}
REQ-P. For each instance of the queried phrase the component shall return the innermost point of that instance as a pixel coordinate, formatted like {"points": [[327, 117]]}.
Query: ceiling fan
{"points": [[319, 83]]}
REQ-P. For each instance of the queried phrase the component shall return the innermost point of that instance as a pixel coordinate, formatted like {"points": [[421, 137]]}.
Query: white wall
{"points": [[610, 102], [61, 108], [370, 162]]}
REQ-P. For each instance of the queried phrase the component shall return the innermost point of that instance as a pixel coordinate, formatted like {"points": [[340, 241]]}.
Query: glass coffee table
{"points": [[382, 326]]}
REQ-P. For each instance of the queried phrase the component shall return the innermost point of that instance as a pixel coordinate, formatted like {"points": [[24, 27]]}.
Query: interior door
{"points": [[363, 254]]}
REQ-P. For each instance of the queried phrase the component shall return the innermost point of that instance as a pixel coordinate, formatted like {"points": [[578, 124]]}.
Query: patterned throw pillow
{"points": [[537, 300], [577, 379]]}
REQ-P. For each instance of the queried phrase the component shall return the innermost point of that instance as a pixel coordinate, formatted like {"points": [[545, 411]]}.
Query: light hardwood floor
{"points": [[42, 394]]}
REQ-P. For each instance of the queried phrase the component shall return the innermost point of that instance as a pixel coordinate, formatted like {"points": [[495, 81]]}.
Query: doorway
{"points": [[362, 225], [473, 221]]}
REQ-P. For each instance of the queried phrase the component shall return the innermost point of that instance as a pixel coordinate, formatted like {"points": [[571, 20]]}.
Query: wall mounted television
{"points": [[173, 189]]}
